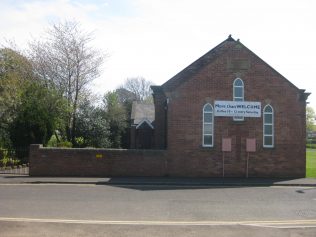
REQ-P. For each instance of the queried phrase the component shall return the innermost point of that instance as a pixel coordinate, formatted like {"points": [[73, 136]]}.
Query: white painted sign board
{"points": [[237, 108]]}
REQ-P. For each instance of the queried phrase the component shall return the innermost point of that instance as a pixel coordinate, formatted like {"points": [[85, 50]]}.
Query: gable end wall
{"points": [[214, 82]]}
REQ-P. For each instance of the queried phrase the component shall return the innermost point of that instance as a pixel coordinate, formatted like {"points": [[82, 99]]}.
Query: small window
{"points": [[268, 127], [238, 91], [208, 126]]}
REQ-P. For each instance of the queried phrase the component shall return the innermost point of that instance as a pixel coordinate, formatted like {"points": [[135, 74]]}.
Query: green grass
{"points": [[311, 163]]}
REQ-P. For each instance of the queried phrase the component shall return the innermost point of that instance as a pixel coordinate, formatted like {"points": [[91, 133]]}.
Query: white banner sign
{"points": [[237, 108]]}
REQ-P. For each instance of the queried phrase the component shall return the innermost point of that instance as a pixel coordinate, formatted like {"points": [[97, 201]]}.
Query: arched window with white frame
{"points": [[238, 94], [268, 126], [208, 125]]}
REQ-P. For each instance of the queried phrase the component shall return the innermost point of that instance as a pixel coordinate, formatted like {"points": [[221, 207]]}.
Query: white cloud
{"points": [[156, 39]]}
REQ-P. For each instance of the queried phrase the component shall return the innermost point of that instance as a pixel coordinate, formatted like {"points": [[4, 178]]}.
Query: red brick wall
{"points": [[86, 162], [215, 82], [160, 119]]}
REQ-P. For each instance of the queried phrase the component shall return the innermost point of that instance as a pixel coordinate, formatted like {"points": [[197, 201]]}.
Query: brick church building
{"points": [[231, 114], [228, 114]]}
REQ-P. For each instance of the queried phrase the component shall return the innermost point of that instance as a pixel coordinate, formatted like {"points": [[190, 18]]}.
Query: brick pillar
{"points": [[160, 118], [34, 157]]}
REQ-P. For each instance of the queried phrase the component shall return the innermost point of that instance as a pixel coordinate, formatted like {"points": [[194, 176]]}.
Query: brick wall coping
{"points": [[40, 146]]}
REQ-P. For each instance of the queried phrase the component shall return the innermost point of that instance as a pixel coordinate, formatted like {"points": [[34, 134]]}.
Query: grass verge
{"points": [[311, 163]]}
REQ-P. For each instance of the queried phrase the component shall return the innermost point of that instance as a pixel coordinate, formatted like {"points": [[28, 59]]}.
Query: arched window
{"points": [[208, 125], [268, 126], [238, 92]]}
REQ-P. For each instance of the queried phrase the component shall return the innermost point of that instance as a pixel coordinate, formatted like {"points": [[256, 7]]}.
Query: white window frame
{"points": [[238, 97], [212, 123], [272, 124]]}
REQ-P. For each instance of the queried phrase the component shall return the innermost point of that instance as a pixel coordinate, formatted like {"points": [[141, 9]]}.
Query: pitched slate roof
{"points": [[142, 111]]}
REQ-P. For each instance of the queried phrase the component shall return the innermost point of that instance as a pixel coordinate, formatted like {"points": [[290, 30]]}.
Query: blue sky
{"points": [[158, 38]]}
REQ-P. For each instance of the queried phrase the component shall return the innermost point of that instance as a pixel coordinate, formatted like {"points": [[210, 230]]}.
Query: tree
{"points": [[92, 127], [15, 72], [140, 87], [67, 62], [116, 117], [310, 119], [126, 98], [38, 115]]}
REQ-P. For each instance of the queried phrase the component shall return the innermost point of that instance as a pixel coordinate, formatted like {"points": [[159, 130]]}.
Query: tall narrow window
{"points": [[238, 94], [268, 126], [208, 126]]}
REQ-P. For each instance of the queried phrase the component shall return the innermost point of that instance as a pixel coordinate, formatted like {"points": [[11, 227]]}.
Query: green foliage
{"points": [[311, 143], [65, 59], [117, 118], [15, 73], [311, 140], [311, 146], [92, 128], [310, 119], [52, 142], [37, 116], [311, 163], [65, 144], [4, 162], [5, 137], [79, 141], [55, 142], [32, 111], [7, 159]]}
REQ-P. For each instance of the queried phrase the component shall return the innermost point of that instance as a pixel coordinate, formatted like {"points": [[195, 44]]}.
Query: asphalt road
{"points": [[102, 210]]}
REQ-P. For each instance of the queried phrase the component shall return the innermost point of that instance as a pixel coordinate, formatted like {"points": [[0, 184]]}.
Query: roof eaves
{"points": [[145, 121], [156, 89]]}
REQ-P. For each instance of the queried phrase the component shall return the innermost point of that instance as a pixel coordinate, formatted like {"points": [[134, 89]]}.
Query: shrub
{"points": [[311, 146], [64, 144], [7, 160], [311, 140], [52, 141], [79, 141]]}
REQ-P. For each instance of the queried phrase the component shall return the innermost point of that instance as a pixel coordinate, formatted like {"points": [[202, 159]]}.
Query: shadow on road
{"points": [[151, 183], [161, 183]]}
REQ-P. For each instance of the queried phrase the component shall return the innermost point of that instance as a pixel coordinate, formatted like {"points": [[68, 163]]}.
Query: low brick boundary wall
{"points": [[96, 162], [85, 162]]}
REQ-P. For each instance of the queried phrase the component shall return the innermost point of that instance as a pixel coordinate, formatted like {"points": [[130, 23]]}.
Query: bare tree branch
{"points": [[140, 87], [67, 62]]}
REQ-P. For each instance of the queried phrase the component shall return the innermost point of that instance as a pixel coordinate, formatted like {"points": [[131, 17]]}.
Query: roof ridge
{"points": [[199, 63]]}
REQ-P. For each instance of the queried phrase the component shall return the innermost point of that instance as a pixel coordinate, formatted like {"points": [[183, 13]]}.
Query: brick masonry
{"points": [[95, 162], [178, 127], [197, 85]]}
